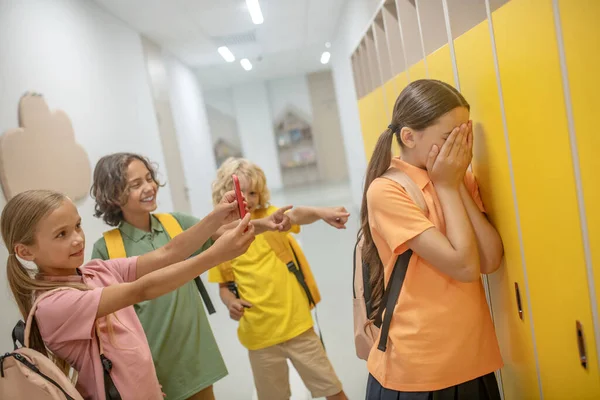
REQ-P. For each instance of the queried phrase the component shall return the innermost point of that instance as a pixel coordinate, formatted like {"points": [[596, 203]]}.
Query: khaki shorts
{"points": [[305, 351]]}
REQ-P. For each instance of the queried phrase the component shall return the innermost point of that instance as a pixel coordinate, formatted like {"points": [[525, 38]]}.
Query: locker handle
{"points": [[518, 296], [581, 345]]}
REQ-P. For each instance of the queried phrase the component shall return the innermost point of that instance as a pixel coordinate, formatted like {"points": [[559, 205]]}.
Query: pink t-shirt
{"points": [[66, 320]]}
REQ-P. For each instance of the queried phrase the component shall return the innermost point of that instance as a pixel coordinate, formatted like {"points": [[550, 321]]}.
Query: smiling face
{"points": [[418, 144], [141, 190], [59, 242]]}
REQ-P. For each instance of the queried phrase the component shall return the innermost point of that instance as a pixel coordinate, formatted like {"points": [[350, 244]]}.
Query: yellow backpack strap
{"points": [[290, 253], [114, 244], [170, 224]]}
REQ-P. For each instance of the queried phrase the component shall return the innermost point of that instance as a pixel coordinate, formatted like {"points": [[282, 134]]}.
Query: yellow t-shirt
{"points": [[280, 309]]}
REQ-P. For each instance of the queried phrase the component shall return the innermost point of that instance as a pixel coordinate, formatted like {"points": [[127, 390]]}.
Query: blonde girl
{"points": [[273, 311], [43, 233], [441, 341]]}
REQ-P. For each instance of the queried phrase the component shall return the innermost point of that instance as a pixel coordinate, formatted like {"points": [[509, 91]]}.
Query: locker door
{"points": [[477, 76], [546, 195], [581, 37], [373, 119], [439, 65], [417, 71]]}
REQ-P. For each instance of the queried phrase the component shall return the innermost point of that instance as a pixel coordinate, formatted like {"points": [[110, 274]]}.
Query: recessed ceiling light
{"points": [[255, 12], [246, 64], [325, 57], [226, 54], [327, 45]]}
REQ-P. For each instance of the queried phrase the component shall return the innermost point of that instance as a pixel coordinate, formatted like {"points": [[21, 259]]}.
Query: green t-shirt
{"points": [[183, 346]]}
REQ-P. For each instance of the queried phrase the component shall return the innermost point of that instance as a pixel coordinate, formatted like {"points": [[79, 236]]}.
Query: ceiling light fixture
{"points": [[327, 45], [255, 12], [246, 64], [226, 54], [325, 57]]}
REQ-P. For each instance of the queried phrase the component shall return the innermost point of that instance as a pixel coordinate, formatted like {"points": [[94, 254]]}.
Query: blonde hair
{"points": [[19, 220], [241, 167]]}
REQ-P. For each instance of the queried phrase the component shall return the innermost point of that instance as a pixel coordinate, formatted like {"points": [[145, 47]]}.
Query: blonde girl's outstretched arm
{"points": [[185, 244], [232, 244]]}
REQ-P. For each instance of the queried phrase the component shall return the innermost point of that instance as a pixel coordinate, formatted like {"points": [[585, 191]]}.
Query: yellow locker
{"points": [[545, 188], [581, 36], [439, 65], [373, 118], [391, 92], [478, 84], [417, 71], [392, 89]]}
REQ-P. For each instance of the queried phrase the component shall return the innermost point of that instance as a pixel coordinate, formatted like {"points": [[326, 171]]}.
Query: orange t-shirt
{"points": [[441, 332]]}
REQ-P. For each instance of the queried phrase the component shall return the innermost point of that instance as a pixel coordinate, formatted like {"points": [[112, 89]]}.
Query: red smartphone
{"points": [[238, 195]]}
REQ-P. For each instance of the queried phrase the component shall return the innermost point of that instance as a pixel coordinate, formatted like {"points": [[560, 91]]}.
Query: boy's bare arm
{"points": [[334, 216]]}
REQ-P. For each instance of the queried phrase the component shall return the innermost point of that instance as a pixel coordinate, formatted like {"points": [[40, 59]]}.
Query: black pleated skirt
{"points": [[482, 388]]}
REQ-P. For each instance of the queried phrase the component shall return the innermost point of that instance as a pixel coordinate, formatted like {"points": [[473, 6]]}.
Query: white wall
{"points": [[90, 65], [354, 20], [193, 134], [255, 124], [290, 92], [221, 99]]}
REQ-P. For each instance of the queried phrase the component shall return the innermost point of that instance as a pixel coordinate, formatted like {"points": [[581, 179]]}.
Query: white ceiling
{"points": [[289, 42]]}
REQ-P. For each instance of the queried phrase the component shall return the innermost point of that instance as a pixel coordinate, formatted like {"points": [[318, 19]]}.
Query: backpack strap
{"points": [[290, 253], [288, 250], [110, 389], [34, 309], [173, 228], [414, 192], [114, 244], [171, 225], [18, 334], [390, 298]]}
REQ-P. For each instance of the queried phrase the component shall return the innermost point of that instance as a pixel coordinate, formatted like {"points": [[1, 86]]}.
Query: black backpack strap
{"points": [[110, 390], [390, 297], [366, 272], [297, 271], [204, 294], [232, 286], [109, 386], [18, 334], [354, 267]]}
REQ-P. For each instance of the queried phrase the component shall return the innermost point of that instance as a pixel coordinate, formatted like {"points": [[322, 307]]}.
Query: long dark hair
{"points": [[419, 106]]}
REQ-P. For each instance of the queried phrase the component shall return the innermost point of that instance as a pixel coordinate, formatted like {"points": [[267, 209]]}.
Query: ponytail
{"points": [[379, 163], [24, 287]]}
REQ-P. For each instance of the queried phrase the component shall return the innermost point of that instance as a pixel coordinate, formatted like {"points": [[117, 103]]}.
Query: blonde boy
{"points": [[275, 323]]}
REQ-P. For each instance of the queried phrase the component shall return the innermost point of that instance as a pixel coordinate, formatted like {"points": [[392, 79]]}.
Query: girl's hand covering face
{"points": [[447, 166]]}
